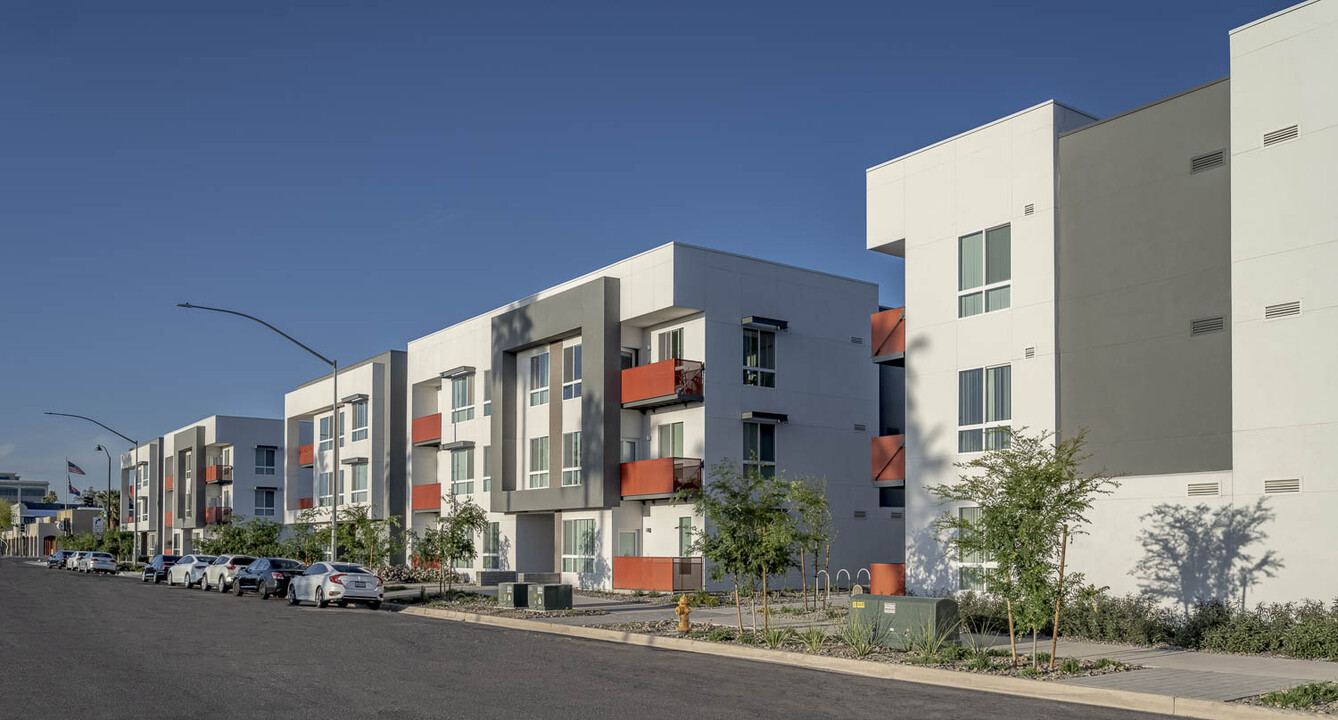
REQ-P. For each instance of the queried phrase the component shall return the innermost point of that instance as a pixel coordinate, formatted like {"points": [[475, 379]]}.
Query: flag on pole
{"points": [[73, 490], [74, 468]]}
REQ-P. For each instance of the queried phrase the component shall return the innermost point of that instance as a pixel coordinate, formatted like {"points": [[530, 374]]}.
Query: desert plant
{"points": [[1303, 696], [860, 635], [1070, 666], [775, 637], [929, 640], [720, 634], [813, 638]]}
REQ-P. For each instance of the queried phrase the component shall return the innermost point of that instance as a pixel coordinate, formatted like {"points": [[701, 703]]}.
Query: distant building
{"points": [[15, 490]]}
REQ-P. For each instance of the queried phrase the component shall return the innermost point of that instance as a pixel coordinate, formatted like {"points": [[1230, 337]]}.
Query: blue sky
{"points": [[361, 174]]}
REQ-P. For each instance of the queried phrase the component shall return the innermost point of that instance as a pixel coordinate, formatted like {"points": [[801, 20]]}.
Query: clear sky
{"points": [[362, 174]]}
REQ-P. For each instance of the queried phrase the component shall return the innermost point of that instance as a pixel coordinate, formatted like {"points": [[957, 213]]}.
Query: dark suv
{"points": [[57, 559], [157, 568]]}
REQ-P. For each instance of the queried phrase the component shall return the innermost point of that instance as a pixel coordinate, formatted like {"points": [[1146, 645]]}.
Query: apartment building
{"points": [[1158, 278], [142, 495], [371, 433], [574, 415]]}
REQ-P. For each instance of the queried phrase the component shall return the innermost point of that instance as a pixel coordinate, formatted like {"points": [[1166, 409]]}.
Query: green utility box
{"points": [[897, 618], [550, 597], [513, 594]]}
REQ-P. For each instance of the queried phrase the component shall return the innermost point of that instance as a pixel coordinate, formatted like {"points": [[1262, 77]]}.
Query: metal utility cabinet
{"points": [[550, 597], [897, 617], [513, 594]]}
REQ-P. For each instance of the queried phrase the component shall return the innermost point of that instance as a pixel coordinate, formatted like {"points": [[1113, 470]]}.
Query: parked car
{"points": [[189, 570], [97, 562], [157, 568], [339, 583], [72, 562], [220, 571], [58, 558], [267, 576]]}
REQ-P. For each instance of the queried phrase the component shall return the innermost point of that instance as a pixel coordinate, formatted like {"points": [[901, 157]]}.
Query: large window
{"points": [[538, 463], [578, 546], [361, 493], [670, 344], [265, 461], [492, 547], [462, 471], [984, 408], [971, 565], [984, 271], [539, 379], [671, 440], [141, 509], [359, 421], [685, 536], [487, 468], [323, 496], [487, 393], [571, 372], [759, 357], [188, 471], [462, 398], [143, 475], [326, 442], [264, 503], [341, 428], [759, 448], [571, 459], [626, 451]]}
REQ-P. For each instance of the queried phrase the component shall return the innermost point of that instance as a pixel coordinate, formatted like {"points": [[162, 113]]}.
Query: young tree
{"points": [[430, 549], [307, 538], [458, 528], [363, 538], [813, 524]]}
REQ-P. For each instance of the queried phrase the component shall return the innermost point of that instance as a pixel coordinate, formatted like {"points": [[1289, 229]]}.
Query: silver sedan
{"points": [[340, 583]]}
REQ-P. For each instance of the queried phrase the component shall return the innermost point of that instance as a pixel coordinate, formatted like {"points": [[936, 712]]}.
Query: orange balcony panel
{"points": [[662, 477], [427, 497], [667, 382], [889, 457], [427, 429], [218, 473], [888, 331], [664, 574], [167, 519], [167, 482], [306, 455], [216, 515], [306, 503]]}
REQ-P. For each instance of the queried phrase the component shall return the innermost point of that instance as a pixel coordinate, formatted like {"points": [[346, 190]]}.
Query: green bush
{"points": [[1303, 696], [720, 634], [1070, 666]]}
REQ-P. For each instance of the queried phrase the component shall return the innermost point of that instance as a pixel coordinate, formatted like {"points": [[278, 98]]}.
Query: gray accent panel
{"points": [[592, 311], [397, 445], [189, 439], [1143, 249], [554, 413]]}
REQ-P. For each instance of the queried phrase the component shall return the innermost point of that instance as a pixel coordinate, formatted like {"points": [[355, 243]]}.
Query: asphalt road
{"points": [[87, 647]]}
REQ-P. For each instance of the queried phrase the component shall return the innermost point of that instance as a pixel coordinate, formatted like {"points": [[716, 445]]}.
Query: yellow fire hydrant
{"points": [[683, 611]]}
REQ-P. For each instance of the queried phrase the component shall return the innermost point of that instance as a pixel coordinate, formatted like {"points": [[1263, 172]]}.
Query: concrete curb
{"points": [[1122, 699]]}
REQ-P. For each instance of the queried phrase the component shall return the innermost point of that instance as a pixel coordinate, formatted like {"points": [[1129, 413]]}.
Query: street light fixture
{"points": [[108, 526], [334, 417], [133, 443]]}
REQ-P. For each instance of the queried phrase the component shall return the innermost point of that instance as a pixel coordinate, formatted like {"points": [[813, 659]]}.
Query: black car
{"points": [[267, 576], [57, 559], [157, 568]]}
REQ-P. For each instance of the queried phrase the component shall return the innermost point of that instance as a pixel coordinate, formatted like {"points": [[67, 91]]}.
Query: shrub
{"points": [[813, 638], [749, 638], [775, 637], [720, 634], [1070, 666], [1303, 696], [1102, 663], [860, 635]]}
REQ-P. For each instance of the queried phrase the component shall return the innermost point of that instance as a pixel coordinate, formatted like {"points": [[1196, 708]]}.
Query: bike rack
{"points": [[838, 579], [866, 573], [828, 577]]}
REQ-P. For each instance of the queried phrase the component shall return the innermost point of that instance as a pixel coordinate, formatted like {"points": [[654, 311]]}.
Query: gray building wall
{"points": [[1144, 249]]}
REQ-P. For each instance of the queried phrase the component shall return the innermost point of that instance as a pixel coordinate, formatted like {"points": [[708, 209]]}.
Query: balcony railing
{"points": [[668, 382], [427, 497], [217, 515], [218, 474], [889, 457], [888, 331], [306, 503], [306, 455], [665, 574], [427, 430], [660, 478]]}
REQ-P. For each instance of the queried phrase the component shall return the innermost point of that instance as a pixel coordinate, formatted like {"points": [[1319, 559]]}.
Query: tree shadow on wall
{"points": [[1194, 554]]}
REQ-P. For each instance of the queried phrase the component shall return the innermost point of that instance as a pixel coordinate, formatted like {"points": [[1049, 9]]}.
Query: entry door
{"points": [[629, 544]]}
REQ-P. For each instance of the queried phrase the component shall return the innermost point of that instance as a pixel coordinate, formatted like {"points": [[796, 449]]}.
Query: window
{"points": [[629, 358], [323, 497], [538, 463], [326, 442], [227, 498], [492, 546], [670, 344], [144, 475], [462, 563], [571, 372], [265, 461], [341, 428], [684, 536], [671, 440], [578, 546], [342, 489], [759, 448], [487, 468], [462, 471], [539, 379], [984, 408], [571, 459], [359, 421], [462, 398], [141, 508], [264, 503], [188, 468], [627, 451], [759, 358], [361, 493], [984, 271], [971, 566], [487, 393], [627, 543]]}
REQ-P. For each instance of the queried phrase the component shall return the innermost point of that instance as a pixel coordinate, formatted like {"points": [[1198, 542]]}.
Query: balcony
{"points": [[888, 332], [665, 574], [306, 503], [306, 455], [167, 519], [427, 430], [889, 458], [650, 479], [167, 482], [668, 382], [217, 515], [218, 474], [427, 497]]}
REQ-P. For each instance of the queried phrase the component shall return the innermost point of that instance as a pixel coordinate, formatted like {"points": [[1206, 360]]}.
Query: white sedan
{"points": [[219, 574], [72, 562], [340, 583], [189, 570]]}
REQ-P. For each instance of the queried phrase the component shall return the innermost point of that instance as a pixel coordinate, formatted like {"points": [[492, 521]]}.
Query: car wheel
{"points": [[223, 586], [143, 577], [264, 591], [157, 579], [170, 581], [236, 588], [321, 602], [374, 605], [204, 583], [292, 595]]}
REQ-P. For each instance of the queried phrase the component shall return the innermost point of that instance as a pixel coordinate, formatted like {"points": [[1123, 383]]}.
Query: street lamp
{"points": [[334, 417], [108, 503], [134, 443]]}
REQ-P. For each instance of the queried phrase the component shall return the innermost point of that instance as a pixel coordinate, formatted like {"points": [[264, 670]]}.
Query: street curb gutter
{"points": [[1122, 699]]}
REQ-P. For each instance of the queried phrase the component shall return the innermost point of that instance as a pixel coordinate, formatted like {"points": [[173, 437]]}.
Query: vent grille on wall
{"points": [[896, 515], [1029, 352], [1290, 485], [1207, 161], [1202, 489], [856, 340], [1282, 310], [860, 427], [1029, 209], [860, 513], [1283, 135], [1203, 326]]}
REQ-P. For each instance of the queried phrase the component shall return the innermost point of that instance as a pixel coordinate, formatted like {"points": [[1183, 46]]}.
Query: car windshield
{"points": [[286, 565], [351, 569]]}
